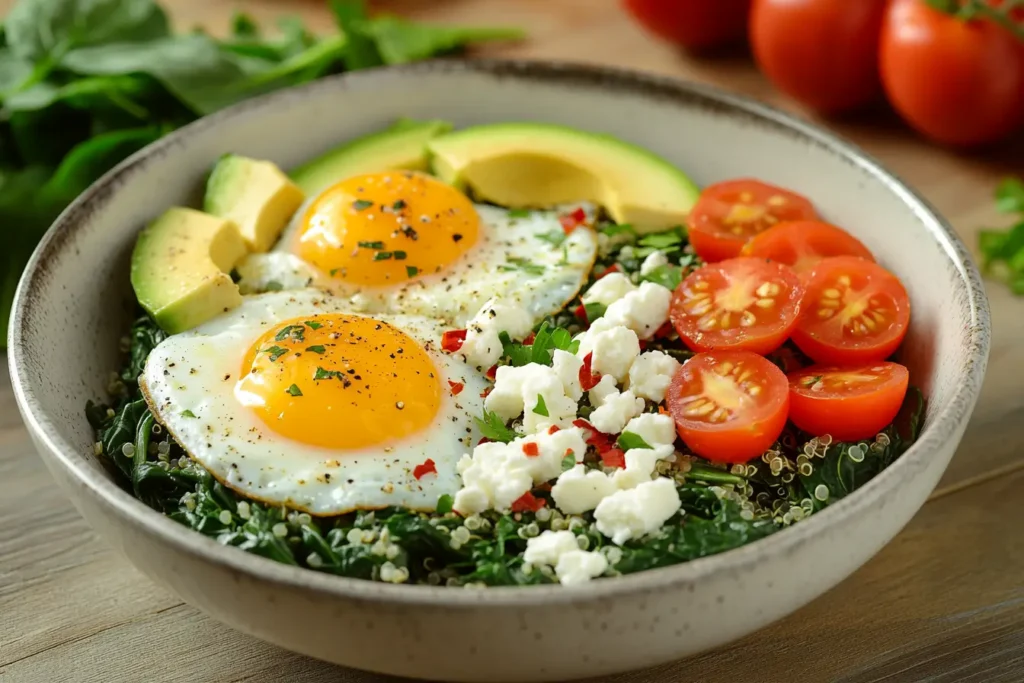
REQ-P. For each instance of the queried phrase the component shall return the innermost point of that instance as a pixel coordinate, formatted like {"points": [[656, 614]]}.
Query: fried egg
{"points": [[292, 399], [405, 242]]}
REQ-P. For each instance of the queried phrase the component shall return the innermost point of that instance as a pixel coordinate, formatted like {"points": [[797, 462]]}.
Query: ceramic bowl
{"points": [[73, 306]]}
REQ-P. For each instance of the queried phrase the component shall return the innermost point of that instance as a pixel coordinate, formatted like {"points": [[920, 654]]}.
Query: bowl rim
{"points": [[938, 431]]}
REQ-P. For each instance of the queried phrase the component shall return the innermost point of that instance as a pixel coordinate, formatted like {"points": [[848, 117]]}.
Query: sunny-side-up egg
{"points": [[291, 399], [405, 242]]}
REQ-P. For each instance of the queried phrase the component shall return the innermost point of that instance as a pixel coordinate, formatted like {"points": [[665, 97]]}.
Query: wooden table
{"points": [[943, 602]]}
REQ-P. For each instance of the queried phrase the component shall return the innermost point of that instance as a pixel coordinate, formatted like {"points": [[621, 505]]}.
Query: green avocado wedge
{"points": [[401, 146], [534, 165]]}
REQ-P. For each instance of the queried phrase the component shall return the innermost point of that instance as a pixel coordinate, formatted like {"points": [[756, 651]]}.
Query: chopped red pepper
{"points": [[531, 449], [588, 378], [553, 428], [528, 503], [613, 457], [581, 313], [456, 387], [485, 392], [483, 439], [424, 469], [613, 268], [529, 340], [573, 220], [492, 372], [600, 441], [643, 344], [665, 330], [451, 341]]}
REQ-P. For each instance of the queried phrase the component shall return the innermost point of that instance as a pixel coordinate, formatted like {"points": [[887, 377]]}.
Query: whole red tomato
{"points": [[957, 82], [823, 53], [694, 24]]}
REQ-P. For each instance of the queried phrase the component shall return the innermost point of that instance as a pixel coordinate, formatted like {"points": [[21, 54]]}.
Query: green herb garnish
{"points": [[1002, 251], [629, 440], [399, 205], [494, 428], [361, 204], [318, 348], [273, 286], [541, 408], [668, 275], [187, 413], [371, 245], [517, 263], [322, 374], [295, 332], [553, 237], [400, 255], [569, 461], [294, 390], [546, 341], [313, 325], [412, 271], [383, 256], [518, 213], [275, 352], [444, 504]]}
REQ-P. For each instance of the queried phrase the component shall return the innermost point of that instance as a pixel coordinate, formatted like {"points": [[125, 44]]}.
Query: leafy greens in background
{"points": [[86, 83], [1002, 251]]}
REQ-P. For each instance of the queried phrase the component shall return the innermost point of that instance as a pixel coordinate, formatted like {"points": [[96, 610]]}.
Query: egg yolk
{"points": [[386, 228], [340, 381]]}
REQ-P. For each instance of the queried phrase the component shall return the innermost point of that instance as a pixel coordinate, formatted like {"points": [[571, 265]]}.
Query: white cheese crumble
{"points": [[497, 474], [614, 351], [482, 347], [636, 512], [516, 391], [560, 550], [615, 411], [604, 388], [642, 311], [651, 373], [608, 289], [567, 367], [640, 464], [654, 428], [580, 566], [578, 490], [654, 260]]}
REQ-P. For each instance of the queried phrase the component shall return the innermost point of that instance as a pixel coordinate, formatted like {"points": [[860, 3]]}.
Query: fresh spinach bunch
{"points": [[86, 83], [1002, 250]]}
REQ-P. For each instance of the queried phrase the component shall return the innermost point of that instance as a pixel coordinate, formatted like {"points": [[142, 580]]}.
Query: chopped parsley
{"points": [[668, 275], [187, 413], [541, 408], [371, 245], [295, 332], [275, 352], [361, 204], [313, 325], [400, 255], [594, 310], [318, 348], [629, 440], [554, 237], [328, 374], [445, 504], [294, 390], [517, 263], [382, 256], [546, 341], [616, 229], [518, 213], [569, 461], [412, 271], [273, 286], [399, 205], [494, 428]]}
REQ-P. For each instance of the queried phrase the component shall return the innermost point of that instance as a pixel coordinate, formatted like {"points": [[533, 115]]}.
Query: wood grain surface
{"points": [[943, 602]]}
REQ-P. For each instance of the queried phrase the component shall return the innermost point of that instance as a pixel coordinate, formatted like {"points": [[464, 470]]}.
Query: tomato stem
{"points": [[968, 10]]}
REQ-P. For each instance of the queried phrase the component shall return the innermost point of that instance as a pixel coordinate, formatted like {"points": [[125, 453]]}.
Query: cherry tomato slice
{"points": [[744, 304], [729, 406], [854, 312], [848, 404], [801, 245], [728, 214]]}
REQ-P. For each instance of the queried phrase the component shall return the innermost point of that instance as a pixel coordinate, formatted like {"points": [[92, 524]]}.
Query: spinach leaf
{"points": [[668, 275], [541, 350], [122, 430], [44, 29], [400, 41], [144, 336], [361, 51]]}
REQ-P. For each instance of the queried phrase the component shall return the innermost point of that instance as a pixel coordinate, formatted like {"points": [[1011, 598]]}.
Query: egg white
{"points": [[195, 373], [511, 261]]}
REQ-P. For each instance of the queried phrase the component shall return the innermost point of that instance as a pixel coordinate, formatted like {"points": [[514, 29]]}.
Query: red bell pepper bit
{"points": [[530, 449], [422, 470], [456, 387], [529, 340], [451, 341], [581, 313], [665, 330], [528, 503], [553, 428], [485, 392], [613, 268], [600, 441], [483, 440], [588, 378], [613, 457], [492, 372], [573, 220]]}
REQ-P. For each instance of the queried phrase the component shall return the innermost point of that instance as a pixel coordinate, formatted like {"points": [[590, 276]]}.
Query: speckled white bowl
{"points": [[72, 307]]}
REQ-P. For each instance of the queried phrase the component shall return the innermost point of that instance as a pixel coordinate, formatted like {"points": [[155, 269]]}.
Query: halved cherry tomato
{"points": [[848, 404], [802, 244], [728, 214], [729, 406], [854, 312], [746, 304]]}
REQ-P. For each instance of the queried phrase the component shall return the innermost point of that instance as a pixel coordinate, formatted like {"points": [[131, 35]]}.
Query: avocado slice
{"points": [[534, 165], [180, 268], [256, 195], [401, 146]]}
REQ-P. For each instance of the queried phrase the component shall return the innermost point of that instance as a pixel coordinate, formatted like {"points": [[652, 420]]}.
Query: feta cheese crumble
{"points": [[640, 465], [614, 351], [482, 347], [578, 490], [651, 373], [608, 289], [654, 260], [634, 513], [654, 428], [643, 311], [559, 549], [615, 411], [518, 390]]}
